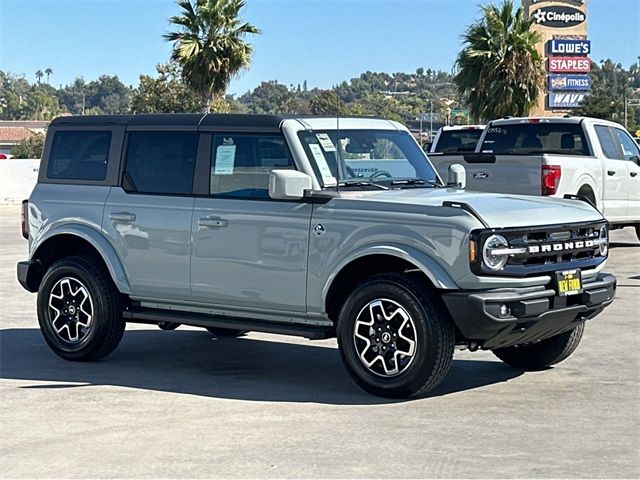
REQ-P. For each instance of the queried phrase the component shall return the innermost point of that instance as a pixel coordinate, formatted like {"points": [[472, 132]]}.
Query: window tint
{"points": [[629, 147], [241, 164], [608, 142], [532, 138], [453, 141], [161, 162], [79, 155]]}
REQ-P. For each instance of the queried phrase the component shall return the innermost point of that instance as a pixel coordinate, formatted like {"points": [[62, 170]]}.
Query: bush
{"points": [[29, 147]]}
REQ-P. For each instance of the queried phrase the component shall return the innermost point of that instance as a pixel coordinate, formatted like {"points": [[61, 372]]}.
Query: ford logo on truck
{"points": [[481, 175]]}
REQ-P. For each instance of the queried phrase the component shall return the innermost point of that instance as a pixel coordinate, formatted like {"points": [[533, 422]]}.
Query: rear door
{"points": [[616, 176], [148, 218], [249, 251]]}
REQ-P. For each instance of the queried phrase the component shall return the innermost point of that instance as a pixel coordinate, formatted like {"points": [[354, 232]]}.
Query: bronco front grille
{"points": [[538, 250]]}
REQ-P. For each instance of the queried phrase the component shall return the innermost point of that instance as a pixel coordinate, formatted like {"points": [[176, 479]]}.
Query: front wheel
{"points": [[542, 354], [638, 231], [395, 338], [79, 310]]}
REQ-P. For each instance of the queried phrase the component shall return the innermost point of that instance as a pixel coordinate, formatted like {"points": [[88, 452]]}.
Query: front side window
{"points": [[352, 156], [629, 147], [79, 155], [536, 138], [241, 163], [161, 162]]}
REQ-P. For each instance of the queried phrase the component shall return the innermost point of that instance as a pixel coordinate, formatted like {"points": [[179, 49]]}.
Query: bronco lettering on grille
{"points": [[561, 247]]}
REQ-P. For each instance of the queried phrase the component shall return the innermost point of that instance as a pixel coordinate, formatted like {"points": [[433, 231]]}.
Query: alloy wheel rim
{"points": [[385, 337], [70, 310]]}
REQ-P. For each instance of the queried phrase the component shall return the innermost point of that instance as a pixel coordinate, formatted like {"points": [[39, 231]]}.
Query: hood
{"points": [[498, 210]]}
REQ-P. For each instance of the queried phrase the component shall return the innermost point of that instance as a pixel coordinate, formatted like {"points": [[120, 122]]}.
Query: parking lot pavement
{"points": [[183, 404]]}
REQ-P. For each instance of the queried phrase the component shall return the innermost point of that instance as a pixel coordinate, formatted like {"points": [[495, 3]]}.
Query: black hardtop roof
{"points": [[171, 119], [185, 119]]}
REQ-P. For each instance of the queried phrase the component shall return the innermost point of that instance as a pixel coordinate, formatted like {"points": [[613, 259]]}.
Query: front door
{"points": [[616, 175], [249, 251], [631, 153]]}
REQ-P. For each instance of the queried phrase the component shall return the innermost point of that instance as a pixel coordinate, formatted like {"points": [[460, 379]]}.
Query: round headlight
{"points": [[604, 241], [492, 261]]}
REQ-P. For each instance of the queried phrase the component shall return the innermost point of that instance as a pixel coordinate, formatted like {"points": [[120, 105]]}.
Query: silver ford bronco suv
{"points": [[309, 226]]}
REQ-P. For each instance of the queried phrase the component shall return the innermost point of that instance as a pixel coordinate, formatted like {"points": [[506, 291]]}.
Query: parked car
{"points": [[456, 139], [555, 156], [311, 226]]}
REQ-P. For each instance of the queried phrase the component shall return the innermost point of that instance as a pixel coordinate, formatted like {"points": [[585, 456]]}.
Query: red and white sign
{"points": [[569, 64]]}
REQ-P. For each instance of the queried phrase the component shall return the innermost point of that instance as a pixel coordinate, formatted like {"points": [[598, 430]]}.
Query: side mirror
{"points": [[288, 184], [456, 176]]}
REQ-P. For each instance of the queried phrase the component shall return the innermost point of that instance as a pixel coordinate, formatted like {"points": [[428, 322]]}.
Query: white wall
{"points": [[17, 179]]}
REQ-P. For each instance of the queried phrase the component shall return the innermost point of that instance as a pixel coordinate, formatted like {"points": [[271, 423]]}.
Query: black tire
{"points": [[433, 334], [225, 332], [542, 354], [168, 325], [638, 231], [105, 325]]}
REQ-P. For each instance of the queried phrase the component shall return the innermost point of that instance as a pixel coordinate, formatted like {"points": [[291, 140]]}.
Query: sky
{"points": [[321, 41]]}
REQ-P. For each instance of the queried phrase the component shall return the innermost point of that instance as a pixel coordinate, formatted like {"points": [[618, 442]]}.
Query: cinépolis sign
{"points": [[558, 16]]}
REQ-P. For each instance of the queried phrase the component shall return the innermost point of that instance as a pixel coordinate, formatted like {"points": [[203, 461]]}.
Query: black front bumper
{"points": [[534, 313], [30, 274]]}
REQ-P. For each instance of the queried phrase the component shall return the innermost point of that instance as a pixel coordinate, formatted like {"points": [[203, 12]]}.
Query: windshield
{"points": [[384, 157], [455, 141]]}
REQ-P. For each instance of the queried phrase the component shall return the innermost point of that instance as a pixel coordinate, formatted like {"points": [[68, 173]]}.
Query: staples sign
{"points": [[569, 64]]}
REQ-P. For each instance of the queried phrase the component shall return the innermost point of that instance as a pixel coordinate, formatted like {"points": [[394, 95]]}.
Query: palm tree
{"points": [[209, 45], [48, 72], [39, 75], [499, 69]]}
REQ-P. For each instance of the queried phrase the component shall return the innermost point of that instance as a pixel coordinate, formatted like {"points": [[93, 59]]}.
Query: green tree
{"points": [[166, 93], [30, 147], [271, 97], [39, 75], [327, 102], [499, 69], [209, 45], [48, 72]]}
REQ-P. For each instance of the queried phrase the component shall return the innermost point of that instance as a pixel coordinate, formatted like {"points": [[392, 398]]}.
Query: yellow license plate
{"points": [[569, 282]]}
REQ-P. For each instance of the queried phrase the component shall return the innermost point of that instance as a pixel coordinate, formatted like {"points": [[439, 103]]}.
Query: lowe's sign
{"points": [[569, 82], [569, 47], [565, 100]]}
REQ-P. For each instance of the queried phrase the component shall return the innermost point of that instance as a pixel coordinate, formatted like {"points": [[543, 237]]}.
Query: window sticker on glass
{"points": [[325, 172], [225, 159], [326, 142]]}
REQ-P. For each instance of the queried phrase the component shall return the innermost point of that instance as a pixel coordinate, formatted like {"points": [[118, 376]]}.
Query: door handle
{"points": [[122, 216], [212, 222], [633, 174], [611, 173]]}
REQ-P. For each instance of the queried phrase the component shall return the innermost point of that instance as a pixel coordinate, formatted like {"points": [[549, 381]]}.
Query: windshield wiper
{"points": [[414, 181], [362, 183]]}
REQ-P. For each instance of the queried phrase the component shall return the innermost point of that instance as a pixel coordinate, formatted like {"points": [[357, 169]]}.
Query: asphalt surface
{"points": [[184, 404]]}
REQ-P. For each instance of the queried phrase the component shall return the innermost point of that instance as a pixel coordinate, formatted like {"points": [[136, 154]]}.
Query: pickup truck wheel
{"points": [[79, 310], [542, 354], [638, 231], [395, 338], [168, 325], [225, 332]]}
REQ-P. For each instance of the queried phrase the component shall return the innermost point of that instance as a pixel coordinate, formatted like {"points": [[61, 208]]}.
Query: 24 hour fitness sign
{"points": [[558, 17]]}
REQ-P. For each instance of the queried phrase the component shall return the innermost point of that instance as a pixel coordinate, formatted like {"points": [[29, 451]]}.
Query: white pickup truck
{"points": [[556, 156]]}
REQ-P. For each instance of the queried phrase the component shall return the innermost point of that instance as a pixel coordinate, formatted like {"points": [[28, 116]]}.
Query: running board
{"points": [[153, 316]]}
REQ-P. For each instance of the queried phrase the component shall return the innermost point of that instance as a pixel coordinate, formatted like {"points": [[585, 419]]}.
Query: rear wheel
{"points": [[79, 310], [395, 338], [638, 231], [225, 332], [542, 354], [168, 325]]}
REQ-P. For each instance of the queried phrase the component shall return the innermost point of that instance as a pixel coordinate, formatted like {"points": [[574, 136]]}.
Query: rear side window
{"points": [[536, 138], [454, 141], [79, 155], [608, 142], [161, 162]]}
